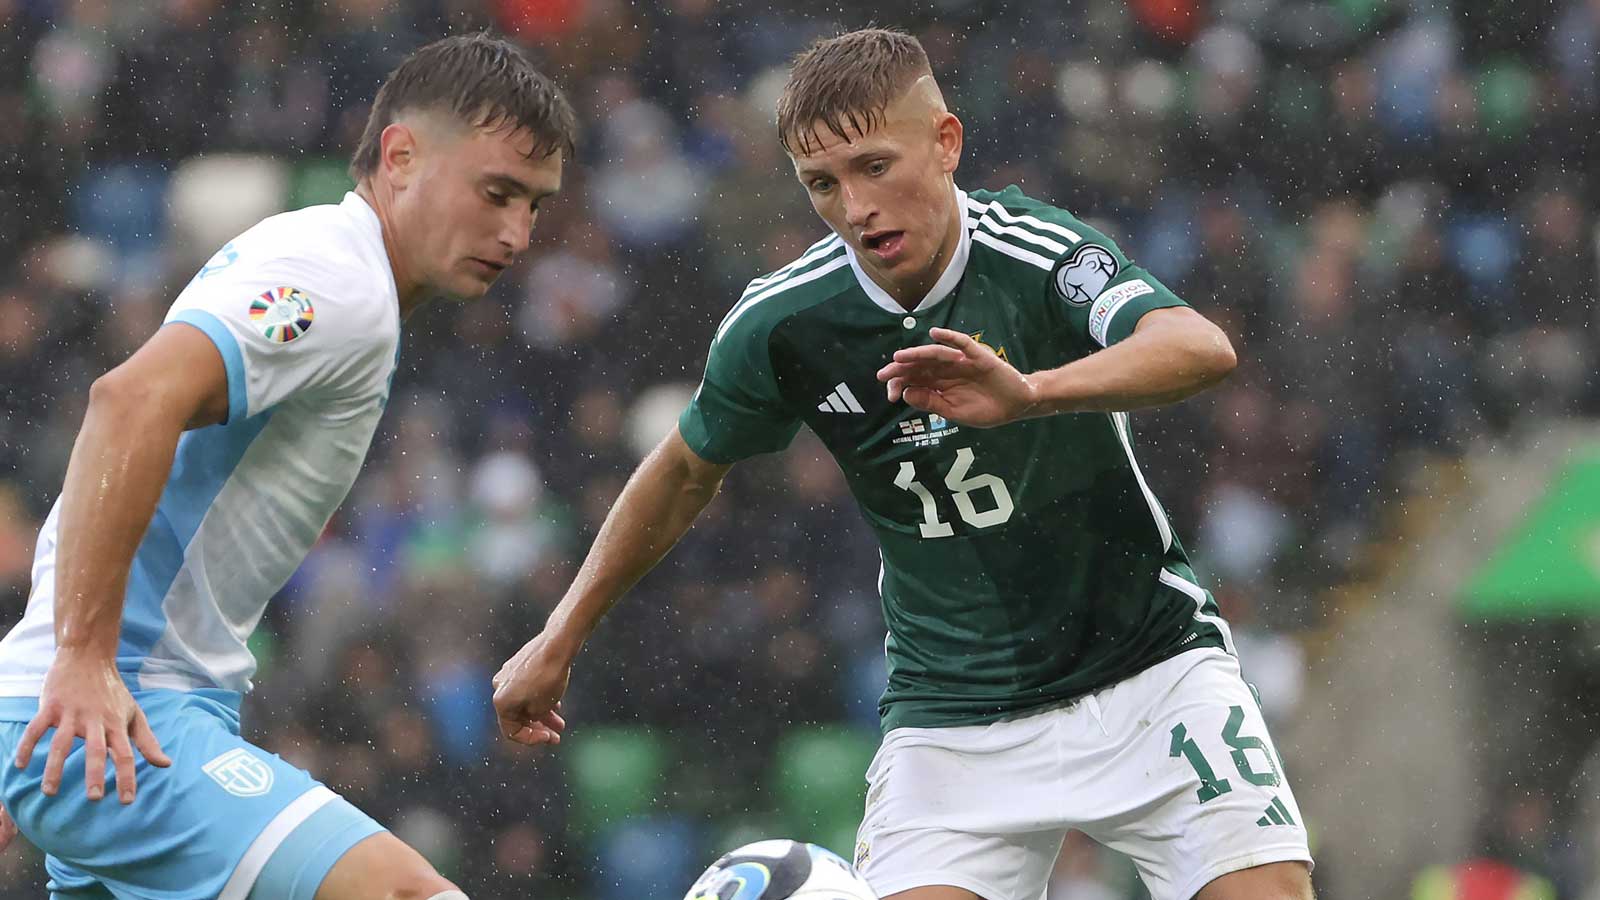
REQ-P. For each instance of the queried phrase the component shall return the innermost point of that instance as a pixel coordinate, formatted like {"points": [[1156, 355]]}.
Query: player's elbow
{"points": [[1217, 350], [1210, 353], [133, 405], [117, 392]]}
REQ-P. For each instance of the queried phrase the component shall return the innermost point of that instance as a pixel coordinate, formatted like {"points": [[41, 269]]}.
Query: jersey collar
{"points": [[355, 206], [942, 288]]}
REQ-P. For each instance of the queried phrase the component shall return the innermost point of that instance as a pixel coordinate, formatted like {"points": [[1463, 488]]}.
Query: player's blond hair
{"points": [[845, 85]]}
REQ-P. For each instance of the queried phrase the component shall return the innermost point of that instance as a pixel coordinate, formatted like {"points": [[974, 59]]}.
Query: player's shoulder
{"points": [[819, 274], [1047, 217], [331, 254], [1023, 231]]}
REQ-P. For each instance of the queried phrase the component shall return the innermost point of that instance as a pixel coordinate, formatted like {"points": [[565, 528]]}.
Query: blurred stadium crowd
{"points": [[1381, 201]]}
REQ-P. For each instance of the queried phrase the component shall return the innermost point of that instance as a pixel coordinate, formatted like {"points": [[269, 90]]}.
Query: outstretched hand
{"points": [[959, 379], [528, 691]]}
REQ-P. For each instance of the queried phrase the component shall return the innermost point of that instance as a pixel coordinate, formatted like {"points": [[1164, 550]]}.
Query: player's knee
{"points": [[1293, 881]]}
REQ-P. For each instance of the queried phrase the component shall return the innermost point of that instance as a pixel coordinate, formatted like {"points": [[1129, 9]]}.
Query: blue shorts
{"points": [[226, 820]]}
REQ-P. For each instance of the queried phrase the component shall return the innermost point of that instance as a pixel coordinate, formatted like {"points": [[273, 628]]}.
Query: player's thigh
{"points": [[962, 809], [1198, 789], [92, 891], [225, 818], [67, 883], [1273, 881], [190, 824], [382, 867], [937, 864], [935, 892]]}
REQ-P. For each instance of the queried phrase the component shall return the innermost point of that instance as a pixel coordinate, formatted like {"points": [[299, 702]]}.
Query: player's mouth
{"points": [[491, 269], [886, 245]]}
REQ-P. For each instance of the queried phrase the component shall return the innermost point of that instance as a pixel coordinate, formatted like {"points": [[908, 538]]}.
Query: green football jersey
{"points": [[1023, 565]]}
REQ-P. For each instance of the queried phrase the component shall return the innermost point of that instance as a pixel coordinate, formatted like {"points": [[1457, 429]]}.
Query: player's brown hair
{"points": [[484, 81], [846, 83]]}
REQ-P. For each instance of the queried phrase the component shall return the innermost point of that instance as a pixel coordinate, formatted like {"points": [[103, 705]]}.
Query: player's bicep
{"points": [[1195, 337], [1177, 319], [1103, 293], [179, 371], [1117, 309]]}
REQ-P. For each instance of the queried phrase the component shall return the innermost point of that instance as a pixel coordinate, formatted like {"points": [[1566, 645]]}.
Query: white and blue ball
{"points": [[780, 870]]}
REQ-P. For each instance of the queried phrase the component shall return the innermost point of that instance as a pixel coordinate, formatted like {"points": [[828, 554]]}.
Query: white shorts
{"points": [[1172, 767]]}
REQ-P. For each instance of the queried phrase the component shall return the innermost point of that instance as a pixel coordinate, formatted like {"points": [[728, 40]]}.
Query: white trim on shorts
{"points": [[1259, 857], [271, 838], [936, 878]]}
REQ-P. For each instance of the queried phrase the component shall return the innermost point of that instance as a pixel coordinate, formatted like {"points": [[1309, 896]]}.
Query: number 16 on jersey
{"points": [[961, 484]]}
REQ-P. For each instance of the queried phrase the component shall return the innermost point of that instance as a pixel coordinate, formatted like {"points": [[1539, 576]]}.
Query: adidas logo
{"points": [[840, 400], [1277, 814]]}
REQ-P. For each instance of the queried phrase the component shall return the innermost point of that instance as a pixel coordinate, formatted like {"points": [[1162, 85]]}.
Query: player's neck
{"points": [[411, 292], [910, 294]]}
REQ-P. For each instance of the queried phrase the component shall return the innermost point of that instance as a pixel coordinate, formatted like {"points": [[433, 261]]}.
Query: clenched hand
{"points": [[528, 691]]}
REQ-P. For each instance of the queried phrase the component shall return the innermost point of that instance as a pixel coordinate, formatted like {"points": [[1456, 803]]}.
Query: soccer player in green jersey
{"points": [[970, 359]]}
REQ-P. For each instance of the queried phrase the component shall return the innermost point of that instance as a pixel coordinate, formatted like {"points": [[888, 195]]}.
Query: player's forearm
{"points": [[1163, 363], [119, 465], [666, 494]]}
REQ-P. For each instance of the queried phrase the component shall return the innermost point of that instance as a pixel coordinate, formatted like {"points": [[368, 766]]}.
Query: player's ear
{"points": [[949, 132], [397, 154]]}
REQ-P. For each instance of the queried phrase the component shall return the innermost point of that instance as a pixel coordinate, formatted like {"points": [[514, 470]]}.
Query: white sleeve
{"points": [[283, 329]]}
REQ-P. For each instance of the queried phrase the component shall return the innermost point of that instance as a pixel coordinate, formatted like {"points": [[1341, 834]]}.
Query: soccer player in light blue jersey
{"points": [[206, 467]]}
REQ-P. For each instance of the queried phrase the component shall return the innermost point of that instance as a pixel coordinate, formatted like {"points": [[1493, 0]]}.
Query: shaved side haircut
{"points": [[845, 84]]}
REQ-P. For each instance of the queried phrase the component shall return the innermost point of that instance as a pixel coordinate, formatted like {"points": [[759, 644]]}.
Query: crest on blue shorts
{"points": [[240, 773]]}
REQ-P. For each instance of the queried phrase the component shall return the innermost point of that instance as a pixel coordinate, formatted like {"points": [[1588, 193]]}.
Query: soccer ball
{"points": [[780, 870]]}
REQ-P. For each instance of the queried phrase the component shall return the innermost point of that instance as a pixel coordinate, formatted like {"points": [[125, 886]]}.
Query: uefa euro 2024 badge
{"points": [[282, 313]]}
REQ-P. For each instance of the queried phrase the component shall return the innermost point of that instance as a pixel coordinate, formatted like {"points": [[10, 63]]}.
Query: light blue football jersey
{"points": [[304, 311]]}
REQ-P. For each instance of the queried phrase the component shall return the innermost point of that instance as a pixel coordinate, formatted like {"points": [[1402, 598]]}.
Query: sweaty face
{"points": [[889, 193], [471, 209]]}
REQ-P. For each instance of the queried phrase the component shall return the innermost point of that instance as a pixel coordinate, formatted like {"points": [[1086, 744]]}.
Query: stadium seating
{"points": [[615, 773], [648, 858], [254, 186], [818, 780]]}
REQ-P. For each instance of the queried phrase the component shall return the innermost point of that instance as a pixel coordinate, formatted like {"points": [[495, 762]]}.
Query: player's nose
{"points": [[858, 207], [516, 231]]}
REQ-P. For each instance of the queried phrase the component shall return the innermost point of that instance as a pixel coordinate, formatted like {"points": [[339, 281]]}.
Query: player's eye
{"points": [[821, 185], [877, 167], [498, 198]]}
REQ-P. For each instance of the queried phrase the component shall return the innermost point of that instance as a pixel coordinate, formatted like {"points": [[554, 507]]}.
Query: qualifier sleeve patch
{"points": [[1081, 277]]}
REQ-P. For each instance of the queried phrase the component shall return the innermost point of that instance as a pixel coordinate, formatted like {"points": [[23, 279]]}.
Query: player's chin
{"points": [[468, 287]]}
